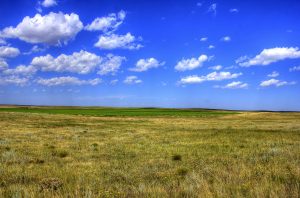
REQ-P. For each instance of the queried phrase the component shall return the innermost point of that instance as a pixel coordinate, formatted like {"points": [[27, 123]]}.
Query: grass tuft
{"points": [[182, 172], [176, 157], [60, 153], [50, 184]]}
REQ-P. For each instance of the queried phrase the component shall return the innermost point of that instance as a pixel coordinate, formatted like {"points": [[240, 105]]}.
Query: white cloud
{"points": [[241, 59], [213, 9], [13, 80], [67, 80], [21, 70], [274, 74], [217, 67], [190, 64], [203, 39], [14, 76], [39, 9], [3, 64], [211, 47], [132, 80], [234, 85], [113, 82], [275, 82], [212, 57], [234, 10], [296, 68], [82, 62], [110, 64], [232, 67], [114, 41], [145, 64], [108, 23], [192, 79], [9, 52], [214, 76], [34, 49], [49, 3], [226, 39], [268, 56], [52, 29]]}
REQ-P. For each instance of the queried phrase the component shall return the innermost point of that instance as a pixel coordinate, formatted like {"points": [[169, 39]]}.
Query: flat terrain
{"points": [[118, 112], [124, 152]]}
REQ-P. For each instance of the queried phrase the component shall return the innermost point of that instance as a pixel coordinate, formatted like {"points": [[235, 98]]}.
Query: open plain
{"points": [[131, 152]]}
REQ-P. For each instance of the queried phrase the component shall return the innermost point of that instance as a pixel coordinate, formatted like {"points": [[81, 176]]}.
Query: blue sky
{"points": [[206, 54]]}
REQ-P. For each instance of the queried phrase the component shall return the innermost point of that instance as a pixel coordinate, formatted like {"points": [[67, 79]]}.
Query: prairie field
{"points": [[148, 152]]}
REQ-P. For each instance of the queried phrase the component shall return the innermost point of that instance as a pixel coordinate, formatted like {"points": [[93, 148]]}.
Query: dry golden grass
{"points": [[240, 155]]}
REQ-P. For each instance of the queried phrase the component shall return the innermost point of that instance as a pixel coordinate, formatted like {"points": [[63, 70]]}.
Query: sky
{"points": [[139, 53]]}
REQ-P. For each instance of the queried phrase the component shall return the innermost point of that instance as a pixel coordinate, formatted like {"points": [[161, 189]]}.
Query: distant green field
{"points": [[110, 112]]}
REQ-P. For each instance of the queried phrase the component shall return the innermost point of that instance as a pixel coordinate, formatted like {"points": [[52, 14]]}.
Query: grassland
{"points": [[105, 152], [118, 112]]}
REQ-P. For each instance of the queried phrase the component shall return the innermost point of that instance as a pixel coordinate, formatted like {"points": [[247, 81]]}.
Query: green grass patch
{"points": [[124, 112]]}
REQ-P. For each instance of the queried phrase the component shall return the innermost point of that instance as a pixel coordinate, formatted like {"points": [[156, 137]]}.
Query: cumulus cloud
{"points": [[241, 59], [275, 82], [3, 64], [82, 62], [108, 23], [132, 80], [296, 68], [213, 9], [49, 3], [214, 76], [232, 67], [145, 64], [217, 76], [192, 79], [51, 29], [21, 70], [234, 10], [14, 80], [110, 64], [9, 52], [114, 41], [211, 47], [113, 82], [274, 74], [19, 76], [226, 39], [203, 39], [234, 85], [34, 49], [217, 67], [190, 64], [67, 81], [268, 56]]}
